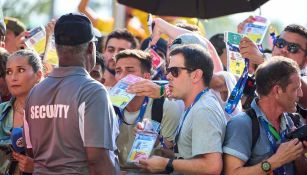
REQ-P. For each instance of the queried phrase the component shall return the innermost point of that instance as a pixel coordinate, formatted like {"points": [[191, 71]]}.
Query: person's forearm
{"points": [[255, 169], [99, 161], [101, 167], [171, 30], [82, 5], [198, 166]]}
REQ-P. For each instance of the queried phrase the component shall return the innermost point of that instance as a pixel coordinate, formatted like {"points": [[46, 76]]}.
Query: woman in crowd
{"points": [[23, 71]]}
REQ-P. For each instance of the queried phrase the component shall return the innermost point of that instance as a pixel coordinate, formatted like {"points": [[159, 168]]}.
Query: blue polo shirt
{"points": [[238, 139]]}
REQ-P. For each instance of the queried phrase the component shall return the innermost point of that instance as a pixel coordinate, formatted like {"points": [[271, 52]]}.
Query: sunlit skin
{"points": [[298, 57], [288, 98], [10, 41], [129, 65], [178, 89], [20, 76], [114, 46]]}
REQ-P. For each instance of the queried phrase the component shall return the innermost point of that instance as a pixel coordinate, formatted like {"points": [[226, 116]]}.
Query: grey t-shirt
{"points": [[65, 113], [204, 128], [238, 139]]}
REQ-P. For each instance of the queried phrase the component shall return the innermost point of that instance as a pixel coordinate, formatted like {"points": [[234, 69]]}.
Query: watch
{"points": [[169, 167], [266, 166]]}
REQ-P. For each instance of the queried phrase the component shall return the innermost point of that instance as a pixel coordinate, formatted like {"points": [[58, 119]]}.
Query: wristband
{"points": [[162, 91], [169, 167]]}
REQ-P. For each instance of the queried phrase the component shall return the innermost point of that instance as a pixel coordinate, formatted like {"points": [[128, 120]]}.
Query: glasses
{"points": [[176, 70], [292, 47]]}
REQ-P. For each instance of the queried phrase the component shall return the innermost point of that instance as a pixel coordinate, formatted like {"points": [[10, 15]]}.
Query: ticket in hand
{"points": [[257, 29], [37, 39], [235, 61], [119, 96], [142, 146]]}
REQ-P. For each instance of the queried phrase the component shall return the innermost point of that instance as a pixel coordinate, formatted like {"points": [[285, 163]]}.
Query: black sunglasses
{"points": [[176, 70], [292, 47]]}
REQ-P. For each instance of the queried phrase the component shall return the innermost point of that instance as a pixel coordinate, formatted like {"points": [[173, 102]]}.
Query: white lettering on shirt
{"points": [[49, 111]]}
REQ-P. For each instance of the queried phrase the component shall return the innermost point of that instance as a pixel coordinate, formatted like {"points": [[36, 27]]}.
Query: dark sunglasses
{"points": [[176, 70], [292, 47]]}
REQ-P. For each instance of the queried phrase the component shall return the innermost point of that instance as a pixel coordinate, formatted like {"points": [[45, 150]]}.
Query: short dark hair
{"points": [[100, 61], [218, 43], [276, 71], [122, 34], [34, 59], [295, 28], [298, 29], [144, 57], [196, 57], [3, 59]]}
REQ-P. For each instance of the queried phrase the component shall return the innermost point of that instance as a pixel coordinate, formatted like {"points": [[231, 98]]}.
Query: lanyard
{"points": [[273, 136], [140, 116], [178, 130], [237, 91]]}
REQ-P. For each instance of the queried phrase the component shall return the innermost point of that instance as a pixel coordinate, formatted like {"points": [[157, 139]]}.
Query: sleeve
{"points": [[99, 125], [238, 139], [208, 131], [170, 120]]}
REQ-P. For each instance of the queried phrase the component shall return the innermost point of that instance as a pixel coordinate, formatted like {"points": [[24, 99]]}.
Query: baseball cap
{"points": [[15, 25], [189, 38], [73, 29]]}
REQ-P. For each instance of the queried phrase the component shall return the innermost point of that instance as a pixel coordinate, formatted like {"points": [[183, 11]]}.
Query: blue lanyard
{"points": [[237, 91], [140, 116], [281, 170], [178, 130]]}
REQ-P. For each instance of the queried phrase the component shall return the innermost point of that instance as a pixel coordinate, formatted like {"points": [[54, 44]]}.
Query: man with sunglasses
{"points": [[138, 63], [291, 43], [200, 133]]}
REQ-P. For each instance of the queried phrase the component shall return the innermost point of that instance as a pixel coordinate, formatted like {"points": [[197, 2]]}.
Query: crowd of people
{"points": [[70, 126]]}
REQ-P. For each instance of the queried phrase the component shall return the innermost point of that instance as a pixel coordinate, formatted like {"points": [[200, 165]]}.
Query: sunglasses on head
{"points": [[291, 47], [176, 70]]}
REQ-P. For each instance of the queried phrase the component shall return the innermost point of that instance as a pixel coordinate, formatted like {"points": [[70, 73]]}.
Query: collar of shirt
{"points": [[285, 119], [68, 71]]}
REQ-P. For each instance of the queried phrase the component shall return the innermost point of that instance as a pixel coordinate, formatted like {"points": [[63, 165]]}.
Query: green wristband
{"points": [[162, 90]]}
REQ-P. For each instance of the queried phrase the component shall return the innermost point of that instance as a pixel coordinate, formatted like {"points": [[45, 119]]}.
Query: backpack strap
{"points": [[157, 109], [255, 126]]}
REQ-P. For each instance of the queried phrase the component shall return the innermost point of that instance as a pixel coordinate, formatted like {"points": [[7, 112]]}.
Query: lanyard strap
{"points": [[140, 116], [237, 91], [178, 130], [273, 136]]}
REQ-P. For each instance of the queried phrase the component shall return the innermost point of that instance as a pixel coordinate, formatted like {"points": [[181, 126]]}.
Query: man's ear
{"points": [[90, 47], [197, 75], [147, 75], [277, 91]]}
